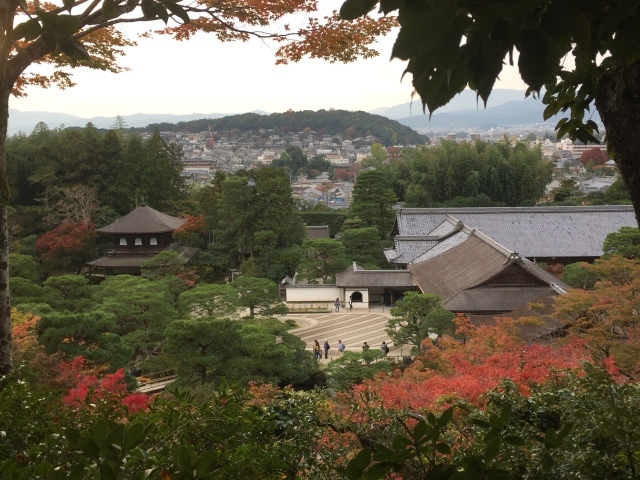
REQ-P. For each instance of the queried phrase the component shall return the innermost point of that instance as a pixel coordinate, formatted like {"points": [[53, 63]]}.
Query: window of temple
{"points": [[123, 241], [138, 241], [153, 241]]}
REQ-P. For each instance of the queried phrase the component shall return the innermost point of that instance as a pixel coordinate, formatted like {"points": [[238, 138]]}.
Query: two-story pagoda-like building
{"points": [[136, 238]]}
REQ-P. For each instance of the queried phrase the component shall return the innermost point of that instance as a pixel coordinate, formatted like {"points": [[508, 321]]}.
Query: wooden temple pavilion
{"points": [[136, 238]]}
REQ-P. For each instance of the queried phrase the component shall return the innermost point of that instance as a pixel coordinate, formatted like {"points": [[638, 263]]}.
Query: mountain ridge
{"points": [[505, 107]]}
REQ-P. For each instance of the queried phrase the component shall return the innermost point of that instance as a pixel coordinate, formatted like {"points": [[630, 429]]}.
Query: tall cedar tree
{"points": [[373, 202]]}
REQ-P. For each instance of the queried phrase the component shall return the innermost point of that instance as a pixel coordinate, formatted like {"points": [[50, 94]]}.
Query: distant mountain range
{"points": [[465, 111], [465, 101]]}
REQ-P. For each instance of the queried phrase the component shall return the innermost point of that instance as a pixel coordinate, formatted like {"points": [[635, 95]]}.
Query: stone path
{"points": [[353, 328]]}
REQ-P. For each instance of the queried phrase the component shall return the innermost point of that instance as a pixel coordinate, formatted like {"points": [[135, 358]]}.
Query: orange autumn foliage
{"points": [[453, 370], [607, 318]]}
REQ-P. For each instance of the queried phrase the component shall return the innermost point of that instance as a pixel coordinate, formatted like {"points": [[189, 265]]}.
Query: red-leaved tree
{"points": [[595, 155], [87, 387], [66, 247]]}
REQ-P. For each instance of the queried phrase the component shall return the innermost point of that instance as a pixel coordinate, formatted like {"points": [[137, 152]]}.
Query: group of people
{"points": [[337, 304], [317, 351], [384, 348]]}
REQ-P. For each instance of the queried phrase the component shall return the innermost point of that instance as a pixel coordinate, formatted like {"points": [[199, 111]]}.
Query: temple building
{"points": [[136, 238], [541, 234]]}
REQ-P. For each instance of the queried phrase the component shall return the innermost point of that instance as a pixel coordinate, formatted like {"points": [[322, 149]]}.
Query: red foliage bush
{"points": [[88, 387]]}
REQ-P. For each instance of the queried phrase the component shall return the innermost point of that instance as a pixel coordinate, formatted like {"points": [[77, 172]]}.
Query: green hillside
{"points": [[350, 125]]}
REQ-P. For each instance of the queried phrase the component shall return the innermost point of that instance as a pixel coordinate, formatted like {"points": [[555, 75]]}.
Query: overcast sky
{"points": [[205, 76]]}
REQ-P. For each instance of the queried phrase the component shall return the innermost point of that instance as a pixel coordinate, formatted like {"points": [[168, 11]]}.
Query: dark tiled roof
{"points": [[144, 219], [120, 261], [495, 299], [125, 260]]}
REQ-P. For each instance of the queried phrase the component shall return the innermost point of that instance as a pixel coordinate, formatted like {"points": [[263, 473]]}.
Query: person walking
{"points": [[337, 304], [365, 346], [340, 346], [326, 349], [384, 349], [350, 302], [317, 353]]}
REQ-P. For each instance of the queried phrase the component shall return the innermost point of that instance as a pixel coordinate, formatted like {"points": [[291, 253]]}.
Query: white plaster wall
{"points": [[313, 295]]}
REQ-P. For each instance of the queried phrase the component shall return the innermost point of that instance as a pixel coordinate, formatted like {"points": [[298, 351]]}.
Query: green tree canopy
{"points": [[624, 242], [362, 245], [89, 334], [322, 258], [257, 217], [259, 296], [208, 301], [352, 369], [68, 292], [416, 317], [24, 266], [206, 348], [142, 310]]}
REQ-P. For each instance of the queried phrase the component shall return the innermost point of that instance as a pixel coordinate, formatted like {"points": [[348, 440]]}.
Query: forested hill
{"points": [[323, 122]]}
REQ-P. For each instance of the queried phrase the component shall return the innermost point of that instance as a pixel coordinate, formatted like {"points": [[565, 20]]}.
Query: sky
{"points": [[206, 76]]}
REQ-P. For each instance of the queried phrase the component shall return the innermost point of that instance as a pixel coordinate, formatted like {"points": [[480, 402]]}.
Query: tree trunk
{"points": [[5, 306], [618, 102]]}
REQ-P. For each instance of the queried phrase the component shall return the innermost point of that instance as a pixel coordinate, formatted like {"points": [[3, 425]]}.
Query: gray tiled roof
{"points": [[405, 251], [447, 227], [443, 246], [411, 224], [534, 232]]}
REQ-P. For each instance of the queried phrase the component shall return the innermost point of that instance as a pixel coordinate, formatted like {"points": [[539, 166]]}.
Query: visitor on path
{"points": [[365, 346], [350, 302], [317, 353], [340, 346], [337, 304], [384, 349], [326, 349]]}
